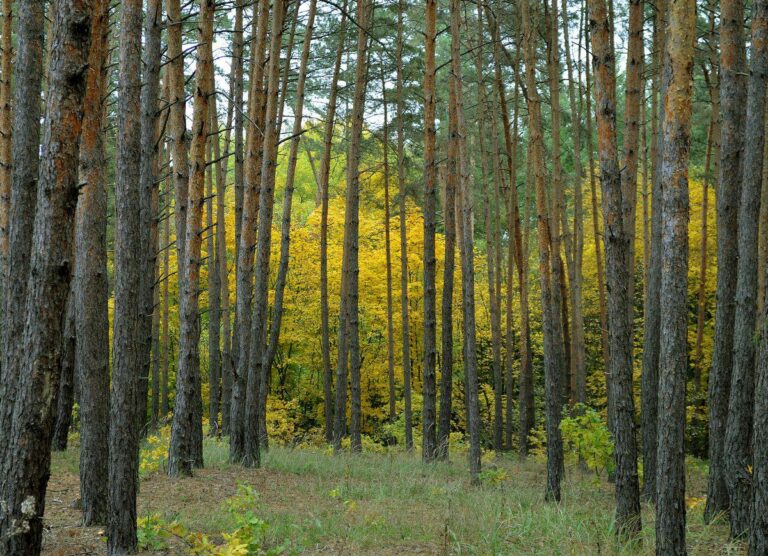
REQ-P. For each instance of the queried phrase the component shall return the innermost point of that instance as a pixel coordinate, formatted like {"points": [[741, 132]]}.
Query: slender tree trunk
{"points": [[652, 308], [185, 449], [596, 220], [166, 340], [450, 225], [150, 93], [92, 285], [258, 373], [464, 186], [673, 362], [553, 355], [325, 169], [733, 101], [738, 434], [388, 255], [430, 261], [490, 206], [617, 257], [285, 232], [247, 242], [633, 96], [124, 437], [401, 184], [214, 276], [575, 278], [26, 462]]}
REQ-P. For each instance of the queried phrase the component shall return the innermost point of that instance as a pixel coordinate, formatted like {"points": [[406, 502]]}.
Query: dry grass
{"points": [[390, 503]]}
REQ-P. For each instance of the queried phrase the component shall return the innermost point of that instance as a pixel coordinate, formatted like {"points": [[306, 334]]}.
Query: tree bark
{"points": [[430, 262], [92, 284], [553, 346], [185, 450], [25, 462], [6, 137], [738, 434], [678, 106], [258, 385], [402, 186], [150, 93], [67, 381], [123, 430], [652, 308], [617, 258], [26, 147], [733, 100], [247, 242], [325, 170], [464, 187]]}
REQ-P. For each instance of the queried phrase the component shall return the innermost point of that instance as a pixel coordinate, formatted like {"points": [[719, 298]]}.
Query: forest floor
{"points": [[311, 502]]}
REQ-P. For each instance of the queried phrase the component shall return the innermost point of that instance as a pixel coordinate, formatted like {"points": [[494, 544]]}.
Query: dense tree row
{"points": [[418, 151]]}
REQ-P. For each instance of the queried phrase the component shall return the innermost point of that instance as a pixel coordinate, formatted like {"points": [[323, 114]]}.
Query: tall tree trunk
{"points": [[258, 373], [325, 170], [464, 187], [28, 68], [26, 461], [388, 254], [352, 223], [401, 184], [123, 431], [733, 101], [430, 262], [490, 208], [150, 93], [617, 258], [214, 277], [652, 307], [185, 449], [92, 284], [166, 340], [575, 277], [450, 225], [526, 401], [293, 155], [633, 96], [738, 434], [230, 337], [247, 242], [673, 362], [553, 345]]}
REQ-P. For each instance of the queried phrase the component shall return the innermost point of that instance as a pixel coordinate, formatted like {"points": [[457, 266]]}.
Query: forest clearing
{"points": [[376, 503]]}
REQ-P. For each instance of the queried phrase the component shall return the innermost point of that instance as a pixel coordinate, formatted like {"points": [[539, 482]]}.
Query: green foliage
{"points": [[152, 533], [586, 436]]}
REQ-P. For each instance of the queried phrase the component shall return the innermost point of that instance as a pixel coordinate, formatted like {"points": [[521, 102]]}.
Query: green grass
{"points": [[393, 504]]}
